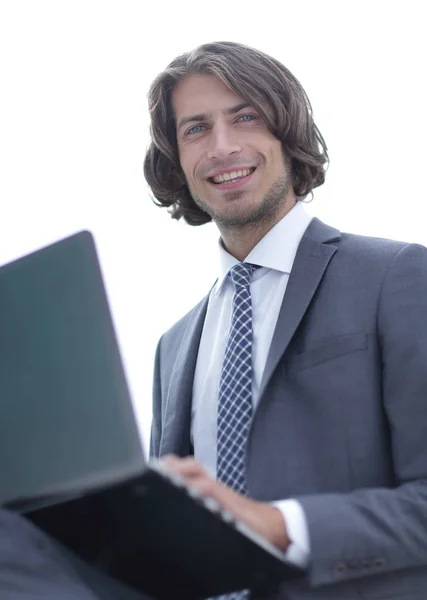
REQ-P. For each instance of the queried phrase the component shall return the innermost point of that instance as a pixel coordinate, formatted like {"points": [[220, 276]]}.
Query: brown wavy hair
{"points": [[265, 84]]}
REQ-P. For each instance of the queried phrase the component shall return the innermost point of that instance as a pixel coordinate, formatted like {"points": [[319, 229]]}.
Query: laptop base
{"points": [[151, 535]]}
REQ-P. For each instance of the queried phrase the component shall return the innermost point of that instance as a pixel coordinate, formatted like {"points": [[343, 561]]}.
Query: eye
{"points": [[246, 118], [195, 129]]}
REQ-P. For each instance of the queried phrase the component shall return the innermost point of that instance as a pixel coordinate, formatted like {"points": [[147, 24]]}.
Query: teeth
{"points": [[231, 176]]}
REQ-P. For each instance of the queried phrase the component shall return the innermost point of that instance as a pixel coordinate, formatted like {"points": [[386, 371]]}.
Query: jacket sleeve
{"points": [[371, 531]]}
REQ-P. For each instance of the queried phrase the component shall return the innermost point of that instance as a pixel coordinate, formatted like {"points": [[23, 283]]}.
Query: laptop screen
{"points": [[67, 422]]}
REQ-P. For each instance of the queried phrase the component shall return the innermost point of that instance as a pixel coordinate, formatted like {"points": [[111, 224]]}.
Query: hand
{"points": [[263, 518]]}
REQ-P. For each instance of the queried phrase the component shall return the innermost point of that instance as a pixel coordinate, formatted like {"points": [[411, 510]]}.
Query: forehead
{"points": [[197, 94]]}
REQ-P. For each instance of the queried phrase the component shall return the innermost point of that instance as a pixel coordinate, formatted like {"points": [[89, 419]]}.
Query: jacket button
{"points": [[378, 562]]}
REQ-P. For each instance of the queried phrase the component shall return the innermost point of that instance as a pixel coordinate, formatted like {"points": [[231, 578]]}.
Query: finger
{"points": [[186, 467], [209, 487], [195, 475]]}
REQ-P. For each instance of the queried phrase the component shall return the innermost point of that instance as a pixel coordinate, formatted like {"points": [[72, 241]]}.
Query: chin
{"points": [[236, 218]]}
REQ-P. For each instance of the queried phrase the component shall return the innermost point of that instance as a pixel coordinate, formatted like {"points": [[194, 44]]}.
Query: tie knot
{"points": [[241, 274]]}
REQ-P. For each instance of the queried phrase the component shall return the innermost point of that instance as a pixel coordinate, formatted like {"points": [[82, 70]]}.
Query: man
{"points": [[299, 383]]}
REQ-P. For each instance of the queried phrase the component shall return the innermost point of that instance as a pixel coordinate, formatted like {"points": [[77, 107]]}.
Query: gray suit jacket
{"points": [[342, 420]]}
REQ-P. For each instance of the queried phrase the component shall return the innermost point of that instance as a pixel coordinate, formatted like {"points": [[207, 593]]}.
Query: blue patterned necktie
{"points": [[235, 392]]}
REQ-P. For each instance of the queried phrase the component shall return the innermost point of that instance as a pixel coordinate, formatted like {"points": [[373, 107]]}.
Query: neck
{"points": [[240, 241]]}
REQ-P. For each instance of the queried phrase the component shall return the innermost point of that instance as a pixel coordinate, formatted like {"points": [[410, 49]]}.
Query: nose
{"points": [[222, 142]]}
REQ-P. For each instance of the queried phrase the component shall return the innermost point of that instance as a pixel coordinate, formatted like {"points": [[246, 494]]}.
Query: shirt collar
{"points": [[276, 250]]}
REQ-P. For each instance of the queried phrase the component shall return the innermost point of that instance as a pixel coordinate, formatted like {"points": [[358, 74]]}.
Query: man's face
{"points": [[234, 166]]}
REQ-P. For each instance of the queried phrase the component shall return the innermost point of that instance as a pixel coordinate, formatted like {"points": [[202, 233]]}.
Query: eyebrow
{"points": [[204, 117]]}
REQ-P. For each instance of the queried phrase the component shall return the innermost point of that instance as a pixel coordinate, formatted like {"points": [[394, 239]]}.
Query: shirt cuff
{"points": [[298, 551]]}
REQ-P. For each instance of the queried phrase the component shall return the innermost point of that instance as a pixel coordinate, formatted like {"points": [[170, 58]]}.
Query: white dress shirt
{"points": [[275, 253]]}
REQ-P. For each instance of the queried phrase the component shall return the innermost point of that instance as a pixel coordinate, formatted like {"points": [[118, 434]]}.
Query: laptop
{"points": [[71, 455]]}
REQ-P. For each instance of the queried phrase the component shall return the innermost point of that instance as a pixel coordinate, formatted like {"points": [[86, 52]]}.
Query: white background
{"points": [[74, 128]]}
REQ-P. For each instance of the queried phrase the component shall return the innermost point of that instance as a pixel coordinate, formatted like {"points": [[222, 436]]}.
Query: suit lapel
{"points": [[313, 255], [177, 417]]}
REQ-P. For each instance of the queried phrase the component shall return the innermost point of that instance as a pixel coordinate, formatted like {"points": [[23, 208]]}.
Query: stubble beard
{"points": [[265, 212]]}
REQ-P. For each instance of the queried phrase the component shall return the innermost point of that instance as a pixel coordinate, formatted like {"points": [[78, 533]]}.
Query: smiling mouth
{"points": [[232, 177]]}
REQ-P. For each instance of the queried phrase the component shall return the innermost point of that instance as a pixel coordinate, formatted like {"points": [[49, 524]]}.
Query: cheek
{"points": [[189, 166], [184, 159], [277, 162]]}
